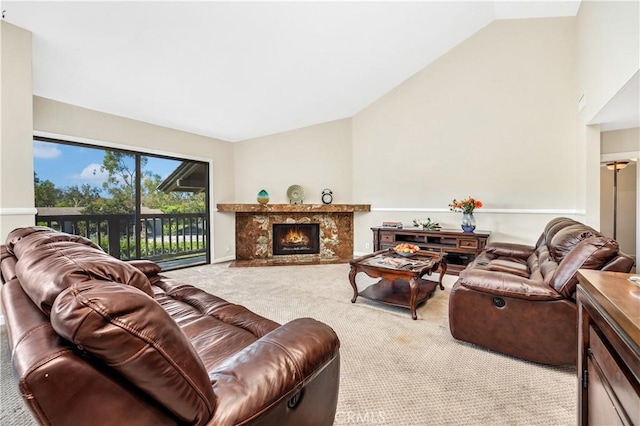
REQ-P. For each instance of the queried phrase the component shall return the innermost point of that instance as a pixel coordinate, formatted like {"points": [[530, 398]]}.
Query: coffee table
{"points": [[401, 282]]}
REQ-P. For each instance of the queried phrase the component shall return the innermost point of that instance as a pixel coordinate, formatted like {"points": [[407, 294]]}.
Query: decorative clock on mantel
{"points": [[327, 196]]}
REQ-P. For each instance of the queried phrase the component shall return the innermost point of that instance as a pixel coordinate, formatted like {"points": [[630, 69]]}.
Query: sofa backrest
{"points": [[62, 385], [106, 308], [568, 246], [590, 253], [48, 262], [131, 333], [552, 227]]}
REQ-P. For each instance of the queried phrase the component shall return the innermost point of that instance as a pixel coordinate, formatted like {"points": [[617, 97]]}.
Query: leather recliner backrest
{"points": [[552, 227], [590, 252], [564, 240], [106, 308], [132, 334], [49, 262]]}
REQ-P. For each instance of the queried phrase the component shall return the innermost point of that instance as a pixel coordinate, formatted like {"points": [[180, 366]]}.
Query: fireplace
{"points": [[255, 231], [296, 238]]}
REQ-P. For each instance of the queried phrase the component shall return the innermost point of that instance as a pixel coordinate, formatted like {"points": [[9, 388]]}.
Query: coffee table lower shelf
{"points": [[398, 292]]}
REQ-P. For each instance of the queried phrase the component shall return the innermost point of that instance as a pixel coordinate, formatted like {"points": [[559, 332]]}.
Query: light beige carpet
{"points": [[394, 370]]}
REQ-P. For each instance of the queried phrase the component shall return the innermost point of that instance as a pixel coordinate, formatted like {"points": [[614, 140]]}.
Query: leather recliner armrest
{"points": [[519, 251], [147, 267], [265, 372], [507, 285]]}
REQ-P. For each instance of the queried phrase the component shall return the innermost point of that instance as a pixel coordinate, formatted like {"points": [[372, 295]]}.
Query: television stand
{"points": [[459, 248]]}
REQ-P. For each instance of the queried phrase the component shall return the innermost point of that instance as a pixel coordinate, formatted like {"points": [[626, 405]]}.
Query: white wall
{"points": [[621, 141], [494, 119], [608, 57], [96, 127], [315, 157], [16, 124]]}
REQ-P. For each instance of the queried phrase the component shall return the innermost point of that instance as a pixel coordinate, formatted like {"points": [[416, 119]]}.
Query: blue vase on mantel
{"points": [[468, 222], [263, 197]]}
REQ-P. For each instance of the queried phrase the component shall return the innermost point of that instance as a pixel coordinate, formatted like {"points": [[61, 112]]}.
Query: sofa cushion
{"points": [[49, 262], [520, 251], [509, 266], [128, 331], [216, 328], [506, 285]]}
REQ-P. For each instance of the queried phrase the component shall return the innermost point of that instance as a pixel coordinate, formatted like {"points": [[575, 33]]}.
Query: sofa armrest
{"points": [[7, 265], [518, 251], [147, 267], [506, 285], [271, 369]]}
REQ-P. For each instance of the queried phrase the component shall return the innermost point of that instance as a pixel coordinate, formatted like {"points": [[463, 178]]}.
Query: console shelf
{"points": [[459, 248]]}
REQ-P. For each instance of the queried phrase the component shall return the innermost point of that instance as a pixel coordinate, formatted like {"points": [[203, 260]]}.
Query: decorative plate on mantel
{"points": [[295, 193]]}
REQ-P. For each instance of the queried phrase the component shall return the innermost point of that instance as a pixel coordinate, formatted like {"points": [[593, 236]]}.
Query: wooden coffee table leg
{"points": [[413, 285], [352, 280], [443, 270]]}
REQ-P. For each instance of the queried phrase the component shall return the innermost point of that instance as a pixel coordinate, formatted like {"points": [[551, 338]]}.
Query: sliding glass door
{"points": [[134, 205]]}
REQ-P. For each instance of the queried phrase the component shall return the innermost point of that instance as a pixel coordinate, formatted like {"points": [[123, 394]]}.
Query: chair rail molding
{"points": [[484, 210], [18, 211]]}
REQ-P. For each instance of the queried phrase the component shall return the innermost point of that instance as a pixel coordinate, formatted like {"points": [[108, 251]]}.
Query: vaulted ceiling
{"points": [[238, 70]]}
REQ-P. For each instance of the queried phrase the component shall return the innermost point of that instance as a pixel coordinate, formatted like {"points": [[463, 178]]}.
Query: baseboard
{"points": [[224, 259]]}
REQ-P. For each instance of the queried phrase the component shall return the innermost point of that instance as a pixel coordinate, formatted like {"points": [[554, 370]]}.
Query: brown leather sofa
{"points": [[520, 300], [95, 340]]}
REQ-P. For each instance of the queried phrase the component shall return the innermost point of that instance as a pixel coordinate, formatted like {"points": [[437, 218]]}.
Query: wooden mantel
{"points": [[292, 208]]}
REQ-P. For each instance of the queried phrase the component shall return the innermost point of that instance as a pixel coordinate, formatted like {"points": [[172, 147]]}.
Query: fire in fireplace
{"points": [[296, 238]]}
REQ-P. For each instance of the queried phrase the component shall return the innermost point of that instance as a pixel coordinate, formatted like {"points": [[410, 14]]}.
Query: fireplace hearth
{"points": [[296, 238]]}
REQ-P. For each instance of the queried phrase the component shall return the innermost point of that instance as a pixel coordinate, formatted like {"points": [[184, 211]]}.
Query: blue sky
{"points": [[68, 165]]}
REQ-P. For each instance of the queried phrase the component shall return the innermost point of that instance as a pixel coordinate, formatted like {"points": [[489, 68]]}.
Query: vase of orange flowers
{"points": [[466, 206]]}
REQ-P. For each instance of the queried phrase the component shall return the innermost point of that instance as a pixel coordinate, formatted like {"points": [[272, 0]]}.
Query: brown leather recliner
{"points": [[520, 300], [95, 340]]}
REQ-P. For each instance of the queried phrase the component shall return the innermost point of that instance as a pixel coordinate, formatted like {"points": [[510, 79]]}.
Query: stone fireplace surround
{"points": [[254, 231]]}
